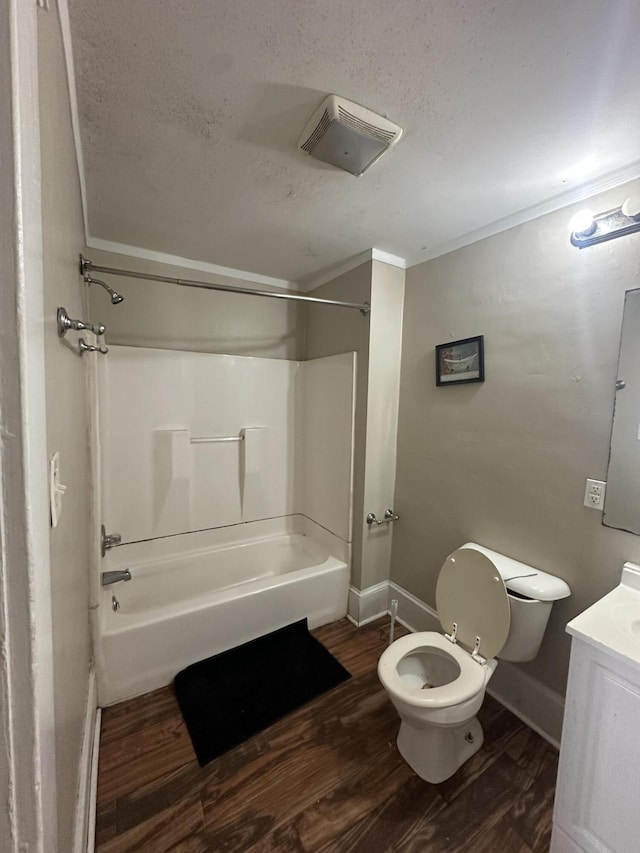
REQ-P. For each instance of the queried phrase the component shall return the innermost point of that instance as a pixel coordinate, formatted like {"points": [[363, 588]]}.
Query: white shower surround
{"points": [[225, 542], [296, 457]]}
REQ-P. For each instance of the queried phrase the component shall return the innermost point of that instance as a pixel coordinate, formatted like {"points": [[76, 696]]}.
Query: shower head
{"points": [[116, 298]]}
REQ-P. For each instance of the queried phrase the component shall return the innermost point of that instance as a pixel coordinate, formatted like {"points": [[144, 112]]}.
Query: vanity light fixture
{"points": [[588, 229]]}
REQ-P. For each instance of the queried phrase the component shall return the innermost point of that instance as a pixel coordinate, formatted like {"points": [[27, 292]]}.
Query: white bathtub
{"points": [[197, 594]]}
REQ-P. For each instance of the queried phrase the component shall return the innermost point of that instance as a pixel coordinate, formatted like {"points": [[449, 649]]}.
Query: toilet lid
{"points": [[471, 592]]}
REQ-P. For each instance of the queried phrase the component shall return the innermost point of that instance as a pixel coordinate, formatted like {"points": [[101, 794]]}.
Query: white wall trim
{"points": [[305, 284], [27, 724], [67, 45], [85, 805], [367, 604], [580, 193], [576, 194], [517, 690], [188, 263], [386, 258], [534, 703], [413, 613], [93, 790], [310, 282]]}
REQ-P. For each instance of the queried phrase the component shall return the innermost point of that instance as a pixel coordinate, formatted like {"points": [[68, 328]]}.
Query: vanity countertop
{"points": [[612, 624]]}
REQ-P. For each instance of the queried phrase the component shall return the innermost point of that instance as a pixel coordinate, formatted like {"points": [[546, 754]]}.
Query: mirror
{"points": [[622, 498]]}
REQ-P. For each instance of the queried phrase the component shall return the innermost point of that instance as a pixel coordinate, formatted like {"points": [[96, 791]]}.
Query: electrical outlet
{"points": [[594, 494], [56, 489]]}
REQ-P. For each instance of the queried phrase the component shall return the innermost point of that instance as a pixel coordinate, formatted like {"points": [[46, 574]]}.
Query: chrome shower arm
{"points": [[116, 298]]}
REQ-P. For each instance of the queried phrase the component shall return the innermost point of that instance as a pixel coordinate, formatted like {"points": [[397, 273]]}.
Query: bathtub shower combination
{"points": [[229, 482]]}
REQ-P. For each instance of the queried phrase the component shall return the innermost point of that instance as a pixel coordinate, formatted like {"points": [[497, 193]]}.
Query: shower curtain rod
{"points": [[87, 266]]}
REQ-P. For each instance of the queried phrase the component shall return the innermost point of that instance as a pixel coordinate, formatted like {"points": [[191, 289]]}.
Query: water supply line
{"points": [[394, 613]]}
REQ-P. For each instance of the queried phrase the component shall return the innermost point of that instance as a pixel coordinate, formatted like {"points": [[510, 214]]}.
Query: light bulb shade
{"points": [[582, 223], [631, 207]]}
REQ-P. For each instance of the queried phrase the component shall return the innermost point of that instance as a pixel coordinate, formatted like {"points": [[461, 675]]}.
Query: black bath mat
{"points": [[230, 697]]}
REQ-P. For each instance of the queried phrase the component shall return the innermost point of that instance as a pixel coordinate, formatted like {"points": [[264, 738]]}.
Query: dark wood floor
{"points": [[326, 778]]}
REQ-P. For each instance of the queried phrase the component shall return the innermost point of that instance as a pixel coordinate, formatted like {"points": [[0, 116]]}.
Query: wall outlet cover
{"points": [[594, 493], [56, 489]]}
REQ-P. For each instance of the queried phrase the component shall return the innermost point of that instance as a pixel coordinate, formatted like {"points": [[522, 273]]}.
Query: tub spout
{"points": [[113, 577]]}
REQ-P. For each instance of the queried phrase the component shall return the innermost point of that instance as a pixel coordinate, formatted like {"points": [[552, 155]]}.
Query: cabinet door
{"points": [[598, 794]]}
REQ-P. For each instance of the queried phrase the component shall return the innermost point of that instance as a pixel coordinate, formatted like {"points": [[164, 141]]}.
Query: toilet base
{"points": [[436, 752]]}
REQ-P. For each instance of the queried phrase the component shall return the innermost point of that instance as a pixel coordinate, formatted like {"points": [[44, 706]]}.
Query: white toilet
{"points": [[488, 605]]}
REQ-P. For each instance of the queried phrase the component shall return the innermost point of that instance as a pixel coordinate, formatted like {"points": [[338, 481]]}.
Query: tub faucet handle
{"points": [[108, 540], [65, 323]]}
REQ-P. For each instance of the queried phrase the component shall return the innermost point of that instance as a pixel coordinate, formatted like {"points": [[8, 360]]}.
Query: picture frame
{"points": [[460, 362]]}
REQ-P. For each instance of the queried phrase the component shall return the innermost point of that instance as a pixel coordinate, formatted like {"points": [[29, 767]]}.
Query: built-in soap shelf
{"points": [[173, 450]]}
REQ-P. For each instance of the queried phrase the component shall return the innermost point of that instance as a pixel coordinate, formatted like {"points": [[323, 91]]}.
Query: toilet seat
{"points": [[469, 682], [472, 595]]}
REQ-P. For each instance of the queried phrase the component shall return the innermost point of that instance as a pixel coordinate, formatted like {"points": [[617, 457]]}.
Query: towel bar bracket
{"points": [[389, 517]]}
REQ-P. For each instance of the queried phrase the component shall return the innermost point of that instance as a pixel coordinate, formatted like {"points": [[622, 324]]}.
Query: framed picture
{"points": [[460, 362]]}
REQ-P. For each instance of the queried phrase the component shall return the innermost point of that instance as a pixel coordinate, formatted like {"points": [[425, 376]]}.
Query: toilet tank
{"points": [[531, 595]]}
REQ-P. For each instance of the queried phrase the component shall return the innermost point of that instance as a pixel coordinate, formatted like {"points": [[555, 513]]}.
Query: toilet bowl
{"points": [[437, 681]]}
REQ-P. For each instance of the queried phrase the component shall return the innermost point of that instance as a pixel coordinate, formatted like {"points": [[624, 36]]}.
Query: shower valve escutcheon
{"points": [[65, 323], [389, 516]]}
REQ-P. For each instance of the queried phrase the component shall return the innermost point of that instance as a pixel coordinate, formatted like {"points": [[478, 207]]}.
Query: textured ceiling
{"points": [[190, 113]]}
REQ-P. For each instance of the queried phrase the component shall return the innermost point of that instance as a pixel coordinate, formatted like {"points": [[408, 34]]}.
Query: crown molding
{"points": [[187, 263], [67, 47], [609, 181], [310, 282], [386, 258], [585, 191]]}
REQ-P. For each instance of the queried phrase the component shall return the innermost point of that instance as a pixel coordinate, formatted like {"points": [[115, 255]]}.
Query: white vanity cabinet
{"points": [[597, 807]]}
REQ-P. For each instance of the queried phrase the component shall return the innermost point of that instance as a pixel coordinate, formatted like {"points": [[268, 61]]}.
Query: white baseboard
{"points": [[517, 690], [87, 773], [413, 613], [93, 791], [562, 843], [538, 706], [368, 604]]}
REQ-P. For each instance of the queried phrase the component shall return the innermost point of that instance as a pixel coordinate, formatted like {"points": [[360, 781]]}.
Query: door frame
{"points": [[27, 725]]}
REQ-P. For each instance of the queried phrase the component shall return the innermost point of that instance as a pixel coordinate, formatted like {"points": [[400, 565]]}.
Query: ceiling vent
{"points": [[347, 135]]}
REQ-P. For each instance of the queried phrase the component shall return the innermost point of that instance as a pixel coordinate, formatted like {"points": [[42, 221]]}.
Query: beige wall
{"points": [[333, 330], [504, 463], [387, 302], [66, 420], [171, 317], [376, 340]]}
